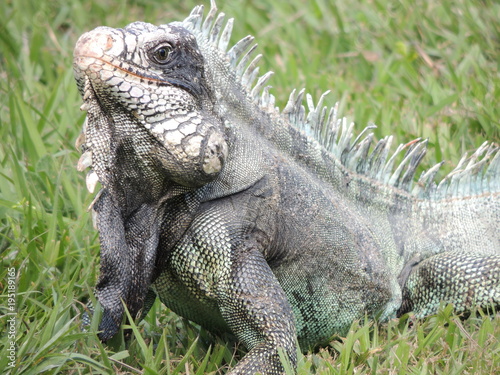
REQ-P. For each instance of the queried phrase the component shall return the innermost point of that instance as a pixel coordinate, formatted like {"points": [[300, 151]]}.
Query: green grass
{"points": [[415, 68]]}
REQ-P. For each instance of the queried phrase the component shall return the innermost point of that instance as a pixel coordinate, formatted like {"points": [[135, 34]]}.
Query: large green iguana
{"points": [[271, 225]]}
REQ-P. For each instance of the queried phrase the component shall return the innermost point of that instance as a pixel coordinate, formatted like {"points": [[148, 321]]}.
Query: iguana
{"points": [[277, 226]]}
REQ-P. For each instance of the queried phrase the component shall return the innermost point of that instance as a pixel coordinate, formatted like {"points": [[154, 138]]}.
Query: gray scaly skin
{"points": [[275, 226]]}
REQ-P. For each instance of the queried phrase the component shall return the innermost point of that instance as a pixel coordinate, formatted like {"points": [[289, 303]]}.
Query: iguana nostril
{"points": [[93, 44]]}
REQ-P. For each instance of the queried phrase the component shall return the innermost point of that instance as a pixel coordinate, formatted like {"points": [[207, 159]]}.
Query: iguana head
{"points": [[153, 79]]}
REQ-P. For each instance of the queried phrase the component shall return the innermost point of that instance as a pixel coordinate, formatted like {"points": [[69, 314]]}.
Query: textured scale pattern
{"points": [[276, 227], [428, 284]]}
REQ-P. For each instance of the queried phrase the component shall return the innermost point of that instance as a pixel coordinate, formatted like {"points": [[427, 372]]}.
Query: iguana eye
{"points": [[161, 54]]}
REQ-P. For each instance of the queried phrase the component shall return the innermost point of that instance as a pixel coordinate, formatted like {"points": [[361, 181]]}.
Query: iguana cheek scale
{"points": [[274, 226]]}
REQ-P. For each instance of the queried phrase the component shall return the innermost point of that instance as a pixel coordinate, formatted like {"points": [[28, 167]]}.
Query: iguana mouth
{"points": [[87, 63]]}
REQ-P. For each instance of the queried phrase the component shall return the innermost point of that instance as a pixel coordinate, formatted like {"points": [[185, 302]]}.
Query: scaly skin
{"points": [[215, 202]]}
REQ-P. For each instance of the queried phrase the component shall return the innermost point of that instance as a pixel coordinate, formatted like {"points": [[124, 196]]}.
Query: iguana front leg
{"points": [[257, 311], [217, 276]]}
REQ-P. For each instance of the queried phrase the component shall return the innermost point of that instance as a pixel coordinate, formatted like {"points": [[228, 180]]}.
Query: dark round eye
{"points": [[162, 53]]}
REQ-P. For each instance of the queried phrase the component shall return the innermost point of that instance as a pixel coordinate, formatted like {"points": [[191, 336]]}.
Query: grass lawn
{"points": [[415, 68]]}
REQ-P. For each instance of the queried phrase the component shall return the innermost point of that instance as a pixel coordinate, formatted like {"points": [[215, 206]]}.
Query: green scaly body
{"points": [[270, 225]]}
